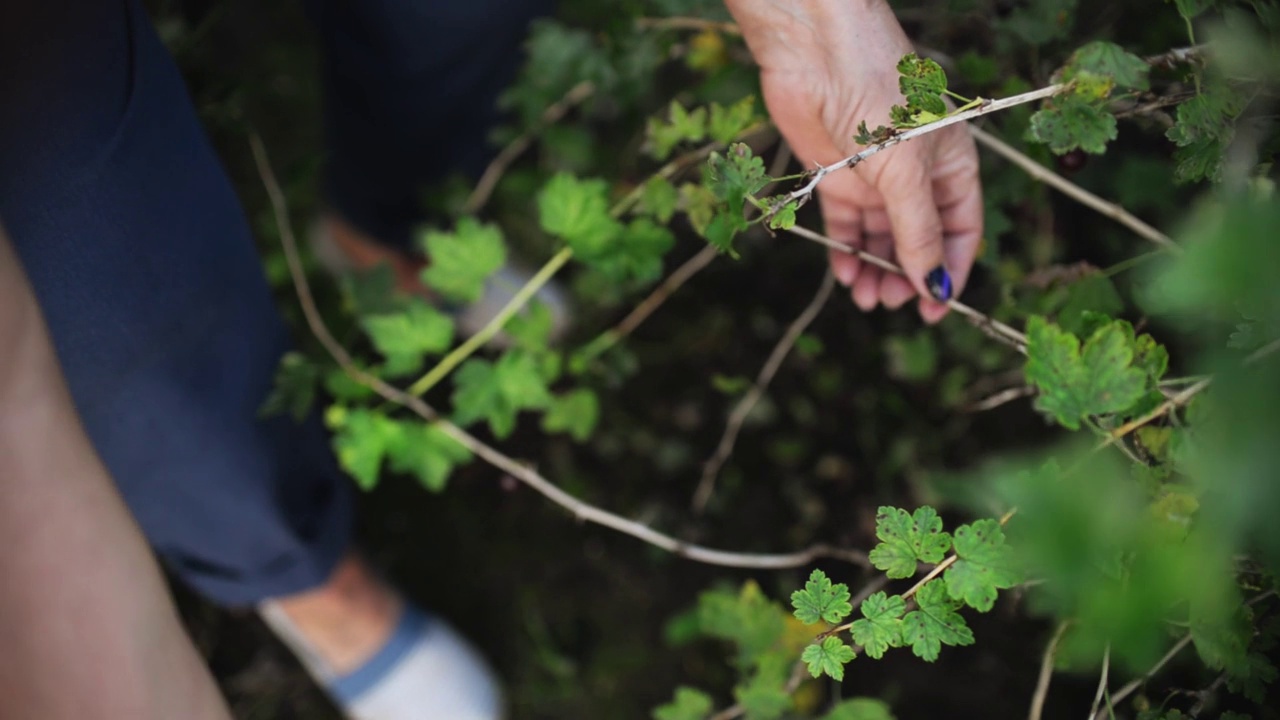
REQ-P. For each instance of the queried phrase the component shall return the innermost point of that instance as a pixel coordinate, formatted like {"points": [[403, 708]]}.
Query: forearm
{"points": [[86, 624]]}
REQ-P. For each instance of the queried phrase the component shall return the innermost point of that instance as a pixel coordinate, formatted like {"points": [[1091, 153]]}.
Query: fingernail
{"points": [[939, 283]]}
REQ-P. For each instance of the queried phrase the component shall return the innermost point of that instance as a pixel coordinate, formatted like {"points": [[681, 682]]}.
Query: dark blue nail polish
{"points": [[939, 283]]}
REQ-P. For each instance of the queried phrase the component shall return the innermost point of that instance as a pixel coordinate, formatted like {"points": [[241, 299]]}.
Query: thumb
{"points": [[904, 183]]}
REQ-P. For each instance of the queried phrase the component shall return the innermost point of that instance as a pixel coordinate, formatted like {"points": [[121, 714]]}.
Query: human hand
{"points": [[825, 66]]}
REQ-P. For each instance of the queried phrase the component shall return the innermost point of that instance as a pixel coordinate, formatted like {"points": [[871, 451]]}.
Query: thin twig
{"points": [[1071, 190], [1132, 686], [1182, 398], [544, 275], [1203, 696], [673, 282], [1046, 673], [706, 486], [514, 149], [992, 402], [1102, 682], [581, 510], [990, 325], [987, 107], [1176, 401]]}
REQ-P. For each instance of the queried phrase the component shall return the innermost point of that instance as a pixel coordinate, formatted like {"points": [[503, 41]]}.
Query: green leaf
{"points": [[404, 338], [344, 388], [935, 623], [659, 198], [828, 658], [294, 388], [427, 452], [735, 175], [881, 625], [1075, 383], [763, 698], [699, 204], [906, 540], [362, 440], [1094, 293], [497, 392], [575, 413], [682, 126], [689, 704], [1098, 58], [785, 217], [860, 709], [531, 327], [1069, 122], [922, 82], [727, 123], [1189, 9], [1037, 22], [747, 618], [578, 211], [720, 233], [462, 260], [637, 254], [985, 565], [820, 599], [1204, 128]]}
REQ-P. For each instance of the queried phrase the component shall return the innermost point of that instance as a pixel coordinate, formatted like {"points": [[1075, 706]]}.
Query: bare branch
{"points": [[989, 325], [514, 149], [1073, 191], [992, 402], [581, 510], [1046, 673], [1102, 682], [706, 486]]}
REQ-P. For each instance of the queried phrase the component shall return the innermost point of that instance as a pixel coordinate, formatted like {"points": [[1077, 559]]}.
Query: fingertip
{"points": [[932, 311], [844, 267], [895, 291]]}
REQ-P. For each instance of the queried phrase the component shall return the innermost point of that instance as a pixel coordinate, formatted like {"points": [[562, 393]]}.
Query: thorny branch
{"points": [[803, 193], [579, 509]]}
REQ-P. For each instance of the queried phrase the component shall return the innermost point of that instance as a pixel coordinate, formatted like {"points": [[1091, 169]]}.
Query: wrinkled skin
{"points": [[825, 66]]}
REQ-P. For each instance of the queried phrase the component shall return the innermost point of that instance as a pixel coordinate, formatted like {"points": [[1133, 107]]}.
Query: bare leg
{"points": [[86, 624]]}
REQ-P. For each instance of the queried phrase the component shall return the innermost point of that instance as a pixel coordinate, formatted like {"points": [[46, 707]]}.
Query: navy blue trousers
{"points": [[143, 263]]}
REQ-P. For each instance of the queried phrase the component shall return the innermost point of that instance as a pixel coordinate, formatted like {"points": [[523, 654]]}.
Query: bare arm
{"points": [[87, 629]]}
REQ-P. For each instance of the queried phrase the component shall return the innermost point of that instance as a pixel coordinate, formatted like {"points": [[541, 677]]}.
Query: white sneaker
{"points": [[425, 671]]}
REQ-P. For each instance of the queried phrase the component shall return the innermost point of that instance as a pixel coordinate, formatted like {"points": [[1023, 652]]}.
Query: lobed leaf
{"points": [[907, 540], [828, 658], [463, 259], [881, 625], [935, 623], [821, 600], [1076, 382], [985, 565]]}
